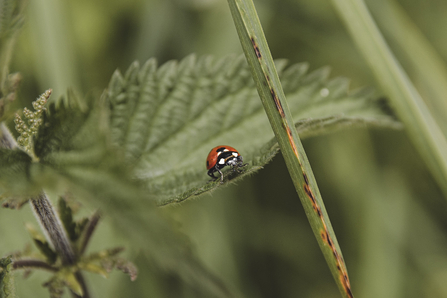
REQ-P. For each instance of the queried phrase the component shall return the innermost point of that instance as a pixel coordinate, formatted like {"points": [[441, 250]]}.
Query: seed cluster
{"points": [[34, 119]]}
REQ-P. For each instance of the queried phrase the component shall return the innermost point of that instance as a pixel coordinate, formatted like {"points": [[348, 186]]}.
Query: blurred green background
{"points": [[387, 212]]}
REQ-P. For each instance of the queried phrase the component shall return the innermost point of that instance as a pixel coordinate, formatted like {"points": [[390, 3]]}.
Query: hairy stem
{"points": [[93, 222], [30, 264], [51, 225], [81, 281]]}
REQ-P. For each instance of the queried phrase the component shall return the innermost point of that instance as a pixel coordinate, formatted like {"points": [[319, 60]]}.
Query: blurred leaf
{"points": [[14, 202], [45, 249], [95, 268], [127, 267], [166, 119], [72, 283], [6, 278], [74, 143], [42, 244], [15, 172], [105, 261], [55, 287], [66, 216], [11, 20], [8, 94]]}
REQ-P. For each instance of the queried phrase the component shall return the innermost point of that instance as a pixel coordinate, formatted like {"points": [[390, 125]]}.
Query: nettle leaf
{"points": [[166, 119], [66, 216], [15, 173], [74, 144]]}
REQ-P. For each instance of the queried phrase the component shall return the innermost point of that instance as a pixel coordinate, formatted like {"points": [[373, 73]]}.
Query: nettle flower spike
{"points": [[34, 120]]}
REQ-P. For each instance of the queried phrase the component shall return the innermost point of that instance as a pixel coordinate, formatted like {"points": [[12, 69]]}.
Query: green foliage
{"points": [[9, 93], [11, 20], [64, 275], [165, 120], [10, 17], [158, 124], [42, 245], [15, 171], [66, 216], [250, 233], [6, 278], [104, 261], [423, 129]]}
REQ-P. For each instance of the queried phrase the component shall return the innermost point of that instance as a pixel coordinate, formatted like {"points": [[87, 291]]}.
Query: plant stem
{"points": [[27, 264], [269, 88], [89, 232], [81, 281], [51, 225]]}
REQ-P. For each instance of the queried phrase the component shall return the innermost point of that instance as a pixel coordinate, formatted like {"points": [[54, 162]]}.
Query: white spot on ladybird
{"points": [[221, 161], [235, 154]]}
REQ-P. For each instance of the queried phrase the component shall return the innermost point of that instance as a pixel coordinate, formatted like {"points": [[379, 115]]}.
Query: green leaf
{"points": [[55, 286], [45, 249], [15, 172], [66, 216], [10, 16], [104, 261], [72, 283], [14, 202], [94, 268], [7, 289], [127, 267], [73, 143], [42, 244], [8, 94], [166, 119]]}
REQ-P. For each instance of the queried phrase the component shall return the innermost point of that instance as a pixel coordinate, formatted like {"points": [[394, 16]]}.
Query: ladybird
{"points": [[222, 156]]}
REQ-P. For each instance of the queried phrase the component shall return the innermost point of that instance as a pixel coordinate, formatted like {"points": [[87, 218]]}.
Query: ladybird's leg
{"points": [[221, 174], [240, 163], [211, 174]]}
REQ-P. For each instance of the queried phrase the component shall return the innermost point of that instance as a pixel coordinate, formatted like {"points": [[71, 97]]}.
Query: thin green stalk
{"points": [[272, 96], [419, 57], [408, 104]]}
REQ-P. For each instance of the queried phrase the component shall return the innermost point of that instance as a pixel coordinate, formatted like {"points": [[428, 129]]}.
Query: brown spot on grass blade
{"points": [[312, 199], [255, 47], [275, 90], [277, 103], [306, 180], [339, 261]]}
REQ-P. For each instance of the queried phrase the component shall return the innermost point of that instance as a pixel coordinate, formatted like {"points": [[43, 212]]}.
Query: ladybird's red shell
{"points": [[212, 156]]}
